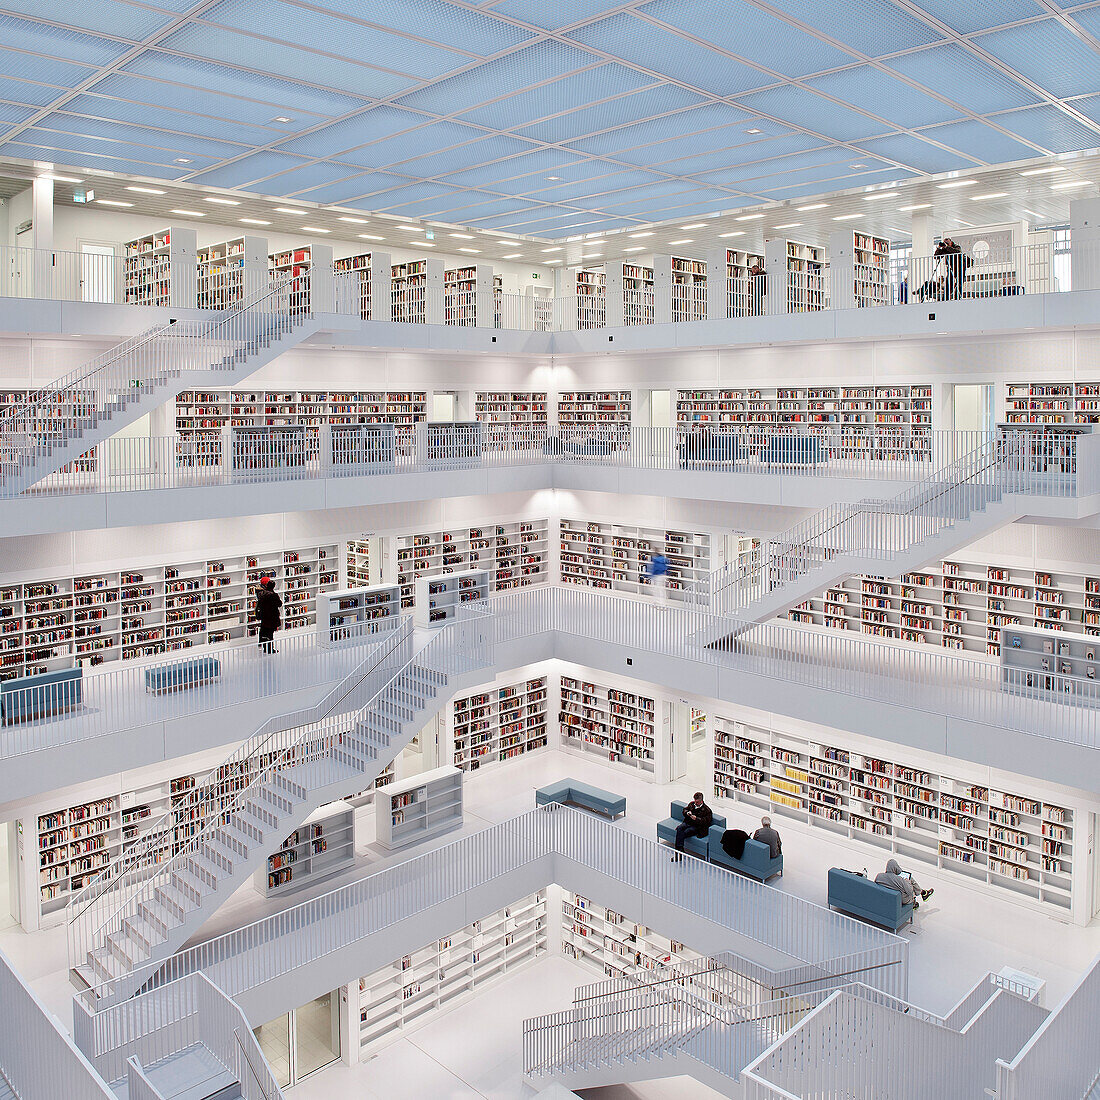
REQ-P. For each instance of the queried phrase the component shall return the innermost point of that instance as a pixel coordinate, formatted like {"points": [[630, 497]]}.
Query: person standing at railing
{"points": [[268, 614], [658, 576], [955, 265], [758, 289]]}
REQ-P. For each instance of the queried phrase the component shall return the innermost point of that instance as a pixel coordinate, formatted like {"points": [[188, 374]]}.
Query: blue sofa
{"points": [[581, 794], [182, 674], [794, 450], [863, 897], [756, 862], [707, 446], [46, 693], [696, 845]]}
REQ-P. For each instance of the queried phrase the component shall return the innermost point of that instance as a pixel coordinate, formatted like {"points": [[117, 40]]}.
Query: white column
{"points": [[322, 288], [42, 213], [662, 290], [842, 269], [613, 294], [717, 285], [381, 286], [775, 266], [484, 306], [1084, 232], [922, 235], [433, 291], [183, 271], [257, 269]]}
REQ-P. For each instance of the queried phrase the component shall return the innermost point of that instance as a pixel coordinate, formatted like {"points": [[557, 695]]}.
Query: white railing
{"points": [[56, 418], [238, 456], [167, 1021], [525, 312], [1062, 1059], [37, 1058], [734, 907], [993, 273], [60, 276]]}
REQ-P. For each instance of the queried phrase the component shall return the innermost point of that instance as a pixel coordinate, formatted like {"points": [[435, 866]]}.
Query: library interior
{"points": [[550, 550]]}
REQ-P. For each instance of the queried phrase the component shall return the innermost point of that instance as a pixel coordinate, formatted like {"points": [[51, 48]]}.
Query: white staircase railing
{"points": [[64, 418]]}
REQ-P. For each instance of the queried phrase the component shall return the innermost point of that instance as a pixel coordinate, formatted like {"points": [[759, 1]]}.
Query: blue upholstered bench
{"points": [[710, 446], [36, 696], [697, 845], [794, 450], [182, 674], [581, 794], [756, 862], [863, 897]]}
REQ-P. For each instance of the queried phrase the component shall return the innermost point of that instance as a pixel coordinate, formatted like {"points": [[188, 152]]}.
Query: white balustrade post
{"points": [[1084, 231], [777, 292], [322, 283]]}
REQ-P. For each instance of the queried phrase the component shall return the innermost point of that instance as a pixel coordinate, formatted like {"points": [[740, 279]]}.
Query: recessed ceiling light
{"points": [[788, 225], [917, 206], [969, 225], [857, 165], [76, 179], [636, 236], [253, 221], [354, 221], [282, 118], [988, 195], [748, 217], [591, 255], [956, 183], [112, 202], [592, 236], [288, 210], [694, 225], [1069, 185], [684, 240], [553, 177], [314, 229], [588, 239], [754, 130], [846, 217], [467, 249], [880, 195], [737, 233], [190, 213], [1044, 171], [513, 255], [426, 244], [183, 160], [815, 206], [636, 248], [553, 261], [462, 236], [411, 228], [370, 237], [222, 202], [147, 190], [555, 249]]}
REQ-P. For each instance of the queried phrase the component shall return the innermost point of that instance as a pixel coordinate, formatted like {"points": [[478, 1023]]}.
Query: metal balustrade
{"points": [[59, 276]]}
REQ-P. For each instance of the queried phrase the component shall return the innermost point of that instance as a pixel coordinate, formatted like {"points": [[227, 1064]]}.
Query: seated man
{"points": [[904, 883], [697, 821], [767, 835]]}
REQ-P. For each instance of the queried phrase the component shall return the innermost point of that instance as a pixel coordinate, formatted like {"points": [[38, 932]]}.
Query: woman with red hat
{"points": [[268, 606]]}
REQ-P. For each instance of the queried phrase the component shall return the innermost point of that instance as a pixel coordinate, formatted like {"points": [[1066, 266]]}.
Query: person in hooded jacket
{"points": [[905, 884], [268, 614]]}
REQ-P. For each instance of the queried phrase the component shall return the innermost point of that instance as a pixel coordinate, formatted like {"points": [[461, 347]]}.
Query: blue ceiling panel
{"points": [[44, 70], [458, 27], [674, 126], [304, 177], [569, 93], [68, 45], [1089, 107], [802, 108], [118, 131], [1089, 18], [754, 149], [76, 144], [234, 82], [247, 51], [552, 15], [914, 153], [531, 65], [10, 112], [964, 77], [671, 54], [967, 16], [494, 208], [749, 32], [976, 139], [474, 152], [340, 36], [351, 133], [104, 16], [444, 207], [1050, 128], [886, 96], [873, 27], [862, 179], [87, 160], [611, 115], [20, 91], [514, 172], [557, 192], [1047, 53], [414, 192], [258, 166], [360, 186], [796, 162], [406, 146]]}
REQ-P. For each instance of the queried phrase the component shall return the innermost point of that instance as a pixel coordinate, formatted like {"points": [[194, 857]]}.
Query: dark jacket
{"points": [[268, 606], [700, 817], [733, 842]]}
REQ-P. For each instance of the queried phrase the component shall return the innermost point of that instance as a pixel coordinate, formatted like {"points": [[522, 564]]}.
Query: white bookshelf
{"points": [[499, 723], [322, 846], [871, 274], [159, 269], [344, 613], [296, 265], [417, 291], [616, 557], [629, 294], [590, 289], [511, 408], [613, 943], [615, 725], [680, 289], [1003, 838], [469, 298], [1050, 664], [55, 421], [366, 797], [231, 271], [145, 610], [368, 276], [439, 598], [411, 810], [445, 971], [358, 563], [514, 554], [734, 297], [605, 411], [698, 720], [1052, 403]]}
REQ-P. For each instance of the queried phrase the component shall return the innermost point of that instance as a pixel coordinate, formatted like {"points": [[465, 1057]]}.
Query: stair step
{"points": [[143, 932], [192, 1074], [174, 900], [129, 951]]}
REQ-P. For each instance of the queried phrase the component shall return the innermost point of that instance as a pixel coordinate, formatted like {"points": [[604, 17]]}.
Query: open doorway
{"points": [[303, 1041]]}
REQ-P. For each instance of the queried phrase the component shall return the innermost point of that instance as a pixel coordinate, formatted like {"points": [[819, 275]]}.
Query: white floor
{"points": [[474, 1050]]}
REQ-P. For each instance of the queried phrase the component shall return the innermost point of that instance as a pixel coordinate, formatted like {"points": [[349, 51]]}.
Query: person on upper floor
{"points": [[268, 614], [904, 883], [697, 821], [769, 836]]}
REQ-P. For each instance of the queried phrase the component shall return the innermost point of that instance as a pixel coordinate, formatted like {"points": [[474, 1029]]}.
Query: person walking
{"points": [[658, 576], [268, 614]]}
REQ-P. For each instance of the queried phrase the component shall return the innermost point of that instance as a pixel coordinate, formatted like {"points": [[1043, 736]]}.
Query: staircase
{"points": [[150, 901], [929, 521], [52, 427]]}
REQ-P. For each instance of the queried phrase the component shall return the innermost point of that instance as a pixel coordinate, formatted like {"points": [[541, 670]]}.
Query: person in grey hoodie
{"points": [[908, 887]]}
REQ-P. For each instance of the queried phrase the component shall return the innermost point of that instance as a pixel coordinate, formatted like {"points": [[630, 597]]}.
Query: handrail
{"points": [[251, 1067]]}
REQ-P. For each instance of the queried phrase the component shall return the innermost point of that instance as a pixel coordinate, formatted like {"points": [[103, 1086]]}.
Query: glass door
{"points": [[302, 1041]]}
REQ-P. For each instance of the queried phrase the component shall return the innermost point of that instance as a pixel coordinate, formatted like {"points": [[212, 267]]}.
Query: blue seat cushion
{"points": [[755, 862], [863, 897], [581, 794], [666, 830], [794, 450], [44, 693], [182, 674]]}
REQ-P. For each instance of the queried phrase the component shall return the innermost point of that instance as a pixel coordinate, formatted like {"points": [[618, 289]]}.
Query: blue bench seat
{"points": [[863, 897], [794, 450], [710, 446], [182, 674], [696, 845], [581, 794], [45, 693], [756, 861]]}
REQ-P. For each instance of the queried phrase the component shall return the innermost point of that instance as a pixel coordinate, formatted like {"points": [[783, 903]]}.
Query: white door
{"points": [[443, 408], [97, 272]]}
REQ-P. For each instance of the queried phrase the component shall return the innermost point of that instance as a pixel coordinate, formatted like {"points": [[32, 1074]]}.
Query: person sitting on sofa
{"points": [[733, 843], [904, 883], [767, 835], [697, 820]]}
